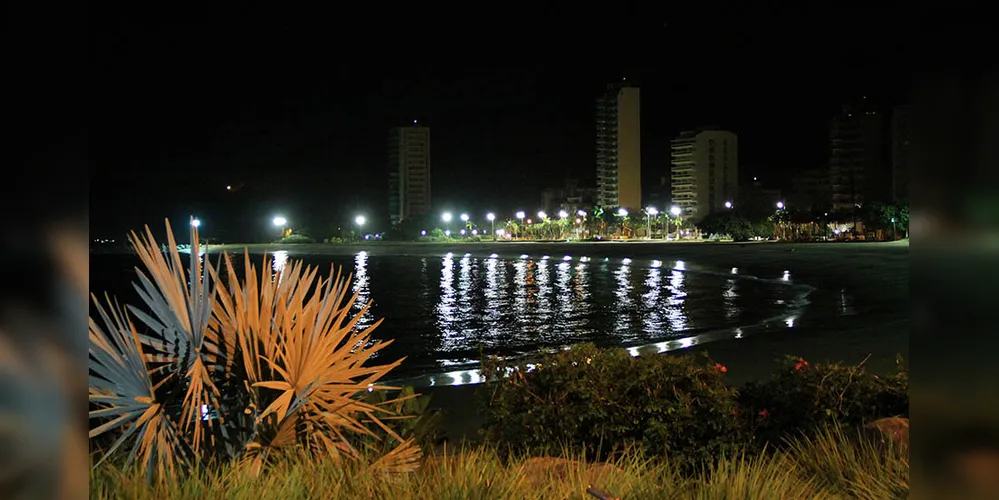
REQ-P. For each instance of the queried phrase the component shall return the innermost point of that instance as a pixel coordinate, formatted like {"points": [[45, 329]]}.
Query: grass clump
{"points": [[830, 464]]}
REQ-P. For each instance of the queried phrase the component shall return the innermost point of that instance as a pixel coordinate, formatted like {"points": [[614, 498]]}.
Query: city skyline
{"points": [[312, 145]]}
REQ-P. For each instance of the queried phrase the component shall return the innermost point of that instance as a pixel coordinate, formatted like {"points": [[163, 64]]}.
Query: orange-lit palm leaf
{"points": [[125, 397], [303, 357], [183, 338]]}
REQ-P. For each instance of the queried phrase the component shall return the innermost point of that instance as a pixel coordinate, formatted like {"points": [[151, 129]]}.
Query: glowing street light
{"points": [[464, 217], [542, 215], [622, 212], [491, 217], [562, 214], [280, 222], [581, 212], [520, 215], [360, 220], [446, 216], [195, 223], [675, 210], [780, 205], [728, 204]]}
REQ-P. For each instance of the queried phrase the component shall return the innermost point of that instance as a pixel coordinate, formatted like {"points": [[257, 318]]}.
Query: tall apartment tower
{"points": [[860, 157], [704, 171], [619, 147], [409, 172]]}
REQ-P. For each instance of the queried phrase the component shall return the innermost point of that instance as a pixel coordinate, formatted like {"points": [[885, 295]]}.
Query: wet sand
{"points": [[860, 305]]}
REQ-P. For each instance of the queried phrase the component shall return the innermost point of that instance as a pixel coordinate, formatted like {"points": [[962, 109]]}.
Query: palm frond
{"points": [[182, 337], [402, 459], [278, 362], [305, 359], [124, 396]]}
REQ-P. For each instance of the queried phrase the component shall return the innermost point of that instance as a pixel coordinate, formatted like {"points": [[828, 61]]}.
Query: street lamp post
{"points": [[675, 210], [447, 224], [520, 228], [562, 216], [542, 219], [360, 220], [195, 223], [649, 214], [780, 222], [280, 222], [622, 213], [893, 229], [464, 223], [491, 217]]}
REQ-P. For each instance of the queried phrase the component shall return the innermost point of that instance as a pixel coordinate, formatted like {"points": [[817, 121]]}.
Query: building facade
{"points": [[409, 172], [859, 160], [571, 197], [704, 171], [810, 189], [619, 147]]}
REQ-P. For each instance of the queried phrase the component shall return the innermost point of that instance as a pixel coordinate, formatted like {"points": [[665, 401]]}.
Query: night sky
{"points": [[292, 109]]}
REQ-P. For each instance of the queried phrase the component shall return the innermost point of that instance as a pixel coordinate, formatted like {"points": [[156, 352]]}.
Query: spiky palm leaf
{"points": [[125, 396], [304, 362], [277, 359], [183, 341]]}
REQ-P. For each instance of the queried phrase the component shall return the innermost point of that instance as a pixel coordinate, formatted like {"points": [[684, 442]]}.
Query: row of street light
{"points": [[361, 220]]}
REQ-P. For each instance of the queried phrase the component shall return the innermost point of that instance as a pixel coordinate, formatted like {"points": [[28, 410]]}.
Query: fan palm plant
{"points": [[219, 368]]}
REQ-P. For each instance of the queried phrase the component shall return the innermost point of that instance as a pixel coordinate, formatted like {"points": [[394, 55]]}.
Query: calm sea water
{"points": [[442, 311]]}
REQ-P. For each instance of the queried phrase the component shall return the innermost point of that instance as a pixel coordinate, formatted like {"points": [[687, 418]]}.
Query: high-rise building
{"points": [[900, 153], [409, 172], [810, 189], [704, 171], [619, 147], [859, 161]]}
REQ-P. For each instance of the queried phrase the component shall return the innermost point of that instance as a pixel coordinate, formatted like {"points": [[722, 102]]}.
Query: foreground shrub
{"points": [[832, 464], [842, 460], [411, 415], [802, 397], [598, 400], [214, 371]]}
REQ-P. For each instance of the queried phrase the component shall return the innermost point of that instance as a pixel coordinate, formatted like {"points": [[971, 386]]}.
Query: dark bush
{"points": [[598, 400], [802, 397], [412, 418], [296, 238]]}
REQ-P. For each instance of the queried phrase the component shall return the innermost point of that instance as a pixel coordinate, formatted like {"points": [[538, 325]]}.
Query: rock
{"points": [[894, 430], [538, 471]]}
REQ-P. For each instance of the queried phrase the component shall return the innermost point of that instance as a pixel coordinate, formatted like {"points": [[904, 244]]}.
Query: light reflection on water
{"points": [[513, 306], [361, 287], [280, 260], [441, 311], [624, 303]]}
